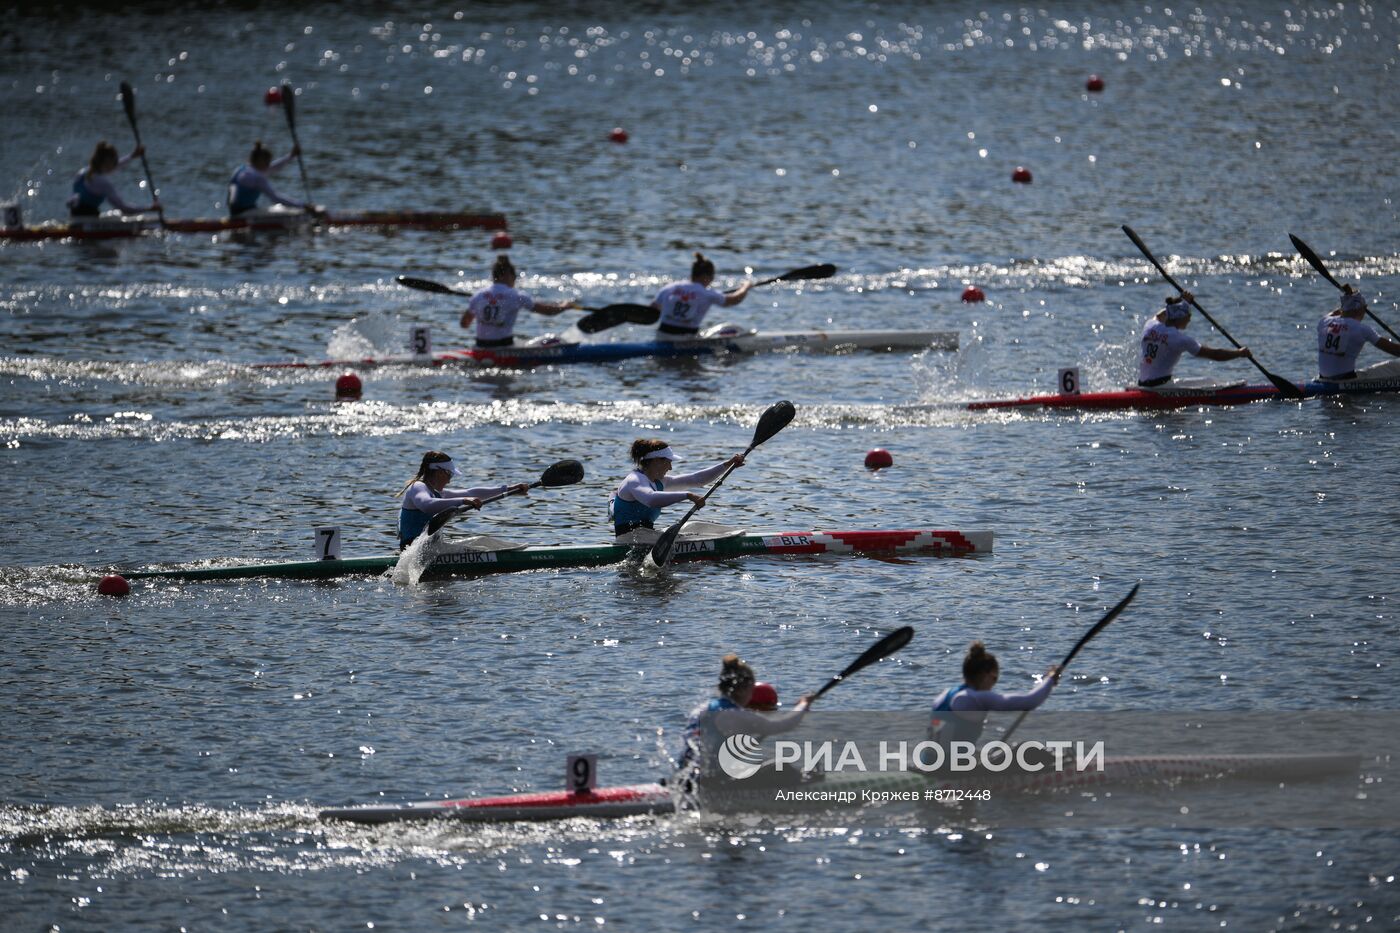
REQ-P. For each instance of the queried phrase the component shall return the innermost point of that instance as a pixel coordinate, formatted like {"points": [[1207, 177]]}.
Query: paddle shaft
{"points": [[1283, 385], [442, 518], [1078, 646], [129, 104], [695, 506], [288, 96], [1315, 261]]}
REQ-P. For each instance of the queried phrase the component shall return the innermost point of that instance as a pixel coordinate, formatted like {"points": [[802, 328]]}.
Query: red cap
{"points": [[764, 697]]}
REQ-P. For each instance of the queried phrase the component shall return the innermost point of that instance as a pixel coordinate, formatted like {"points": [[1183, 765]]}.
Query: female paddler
{"points": [[427, 494], [638, 501], [728, 714], [959, 713], [250, 182], [683, 304], [92, 186], [494, 308]]}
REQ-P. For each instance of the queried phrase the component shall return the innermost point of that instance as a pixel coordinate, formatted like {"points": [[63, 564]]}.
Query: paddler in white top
{"points": [[1342, 334], [1164, 339], [728, 714], [250, 182], [642, 495], [494, 308], [958, 712], [683, 304], [427, 494], [92, 186]]}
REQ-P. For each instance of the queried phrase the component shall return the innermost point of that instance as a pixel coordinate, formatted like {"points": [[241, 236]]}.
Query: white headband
{"points": [[447, 465], [664, 453]]}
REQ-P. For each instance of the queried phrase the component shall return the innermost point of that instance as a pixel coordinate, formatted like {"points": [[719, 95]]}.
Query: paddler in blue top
{"points": [[250, 182], [683, 304], [639, 499], [958, 715], [728, 714], [91, 186], [427, 494]]}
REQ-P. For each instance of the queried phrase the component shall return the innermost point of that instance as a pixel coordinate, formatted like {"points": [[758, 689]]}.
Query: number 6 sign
{"points": [[1069, 381]]}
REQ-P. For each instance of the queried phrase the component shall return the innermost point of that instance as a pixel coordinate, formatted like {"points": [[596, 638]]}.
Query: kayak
{"points": [[456, 560], [812, 341], [1151, 399], [860, 789], [600, 803], [108, 228]]}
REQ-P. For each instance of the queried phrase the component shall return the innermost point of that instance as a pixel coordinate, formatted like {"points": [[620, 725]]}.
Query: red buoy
{"points": [[502, 240], [114, 584], [972, 294], [1094, 84], [273, 97], [348, 386], [1022, 175], [618, 135], [878, 459]]}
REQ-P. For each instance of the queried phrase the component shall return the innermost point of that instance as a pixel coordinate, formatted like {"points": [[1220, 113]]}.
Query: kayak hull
{"points": [[857, 790], [601, 803], [1148, 400], [103, 228], [452, 562], [816, 341]]}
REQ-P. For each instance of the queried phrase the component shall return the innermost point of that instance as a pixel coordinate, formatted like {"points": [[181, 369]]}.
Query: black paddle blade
{"points": [[778, 416], [661, 550], [612, 315], [1313, 259], [129, 101], [877, 652], [425, 285], [824, 271], [289, 102], [563, 473]]}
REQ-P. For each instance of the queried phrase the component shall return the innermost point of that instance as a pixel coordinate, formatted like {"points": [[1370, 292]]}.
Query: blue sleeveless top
{"points": [[629, 515], [240, 197], [84, 197]]}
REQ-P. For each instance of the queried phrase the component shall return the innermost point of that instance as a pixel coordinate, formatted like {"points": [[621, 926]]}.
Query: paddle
{"points": [[1098, 627], [1285, 388], [129, 105], [778, 416], [289, 108], [823, 271], [1316, 262], [563, 473], [877, 652], [599, 320]]}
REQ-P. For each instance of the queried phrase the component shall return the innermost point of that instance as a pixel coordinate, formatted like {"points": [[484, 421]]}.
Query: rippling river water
{"points": [[165, 754]]}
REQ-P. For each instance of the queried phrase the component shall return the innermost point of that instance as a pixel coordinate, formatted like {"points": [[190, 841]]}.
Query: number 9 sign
{"points": [[581, 773]]}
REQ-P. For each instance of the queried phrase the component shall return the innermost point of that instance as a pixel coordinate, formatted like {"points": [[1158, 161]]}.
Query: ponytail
{"points": [[502, 270], [702, 268], [734, 675], [978, 662]]}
